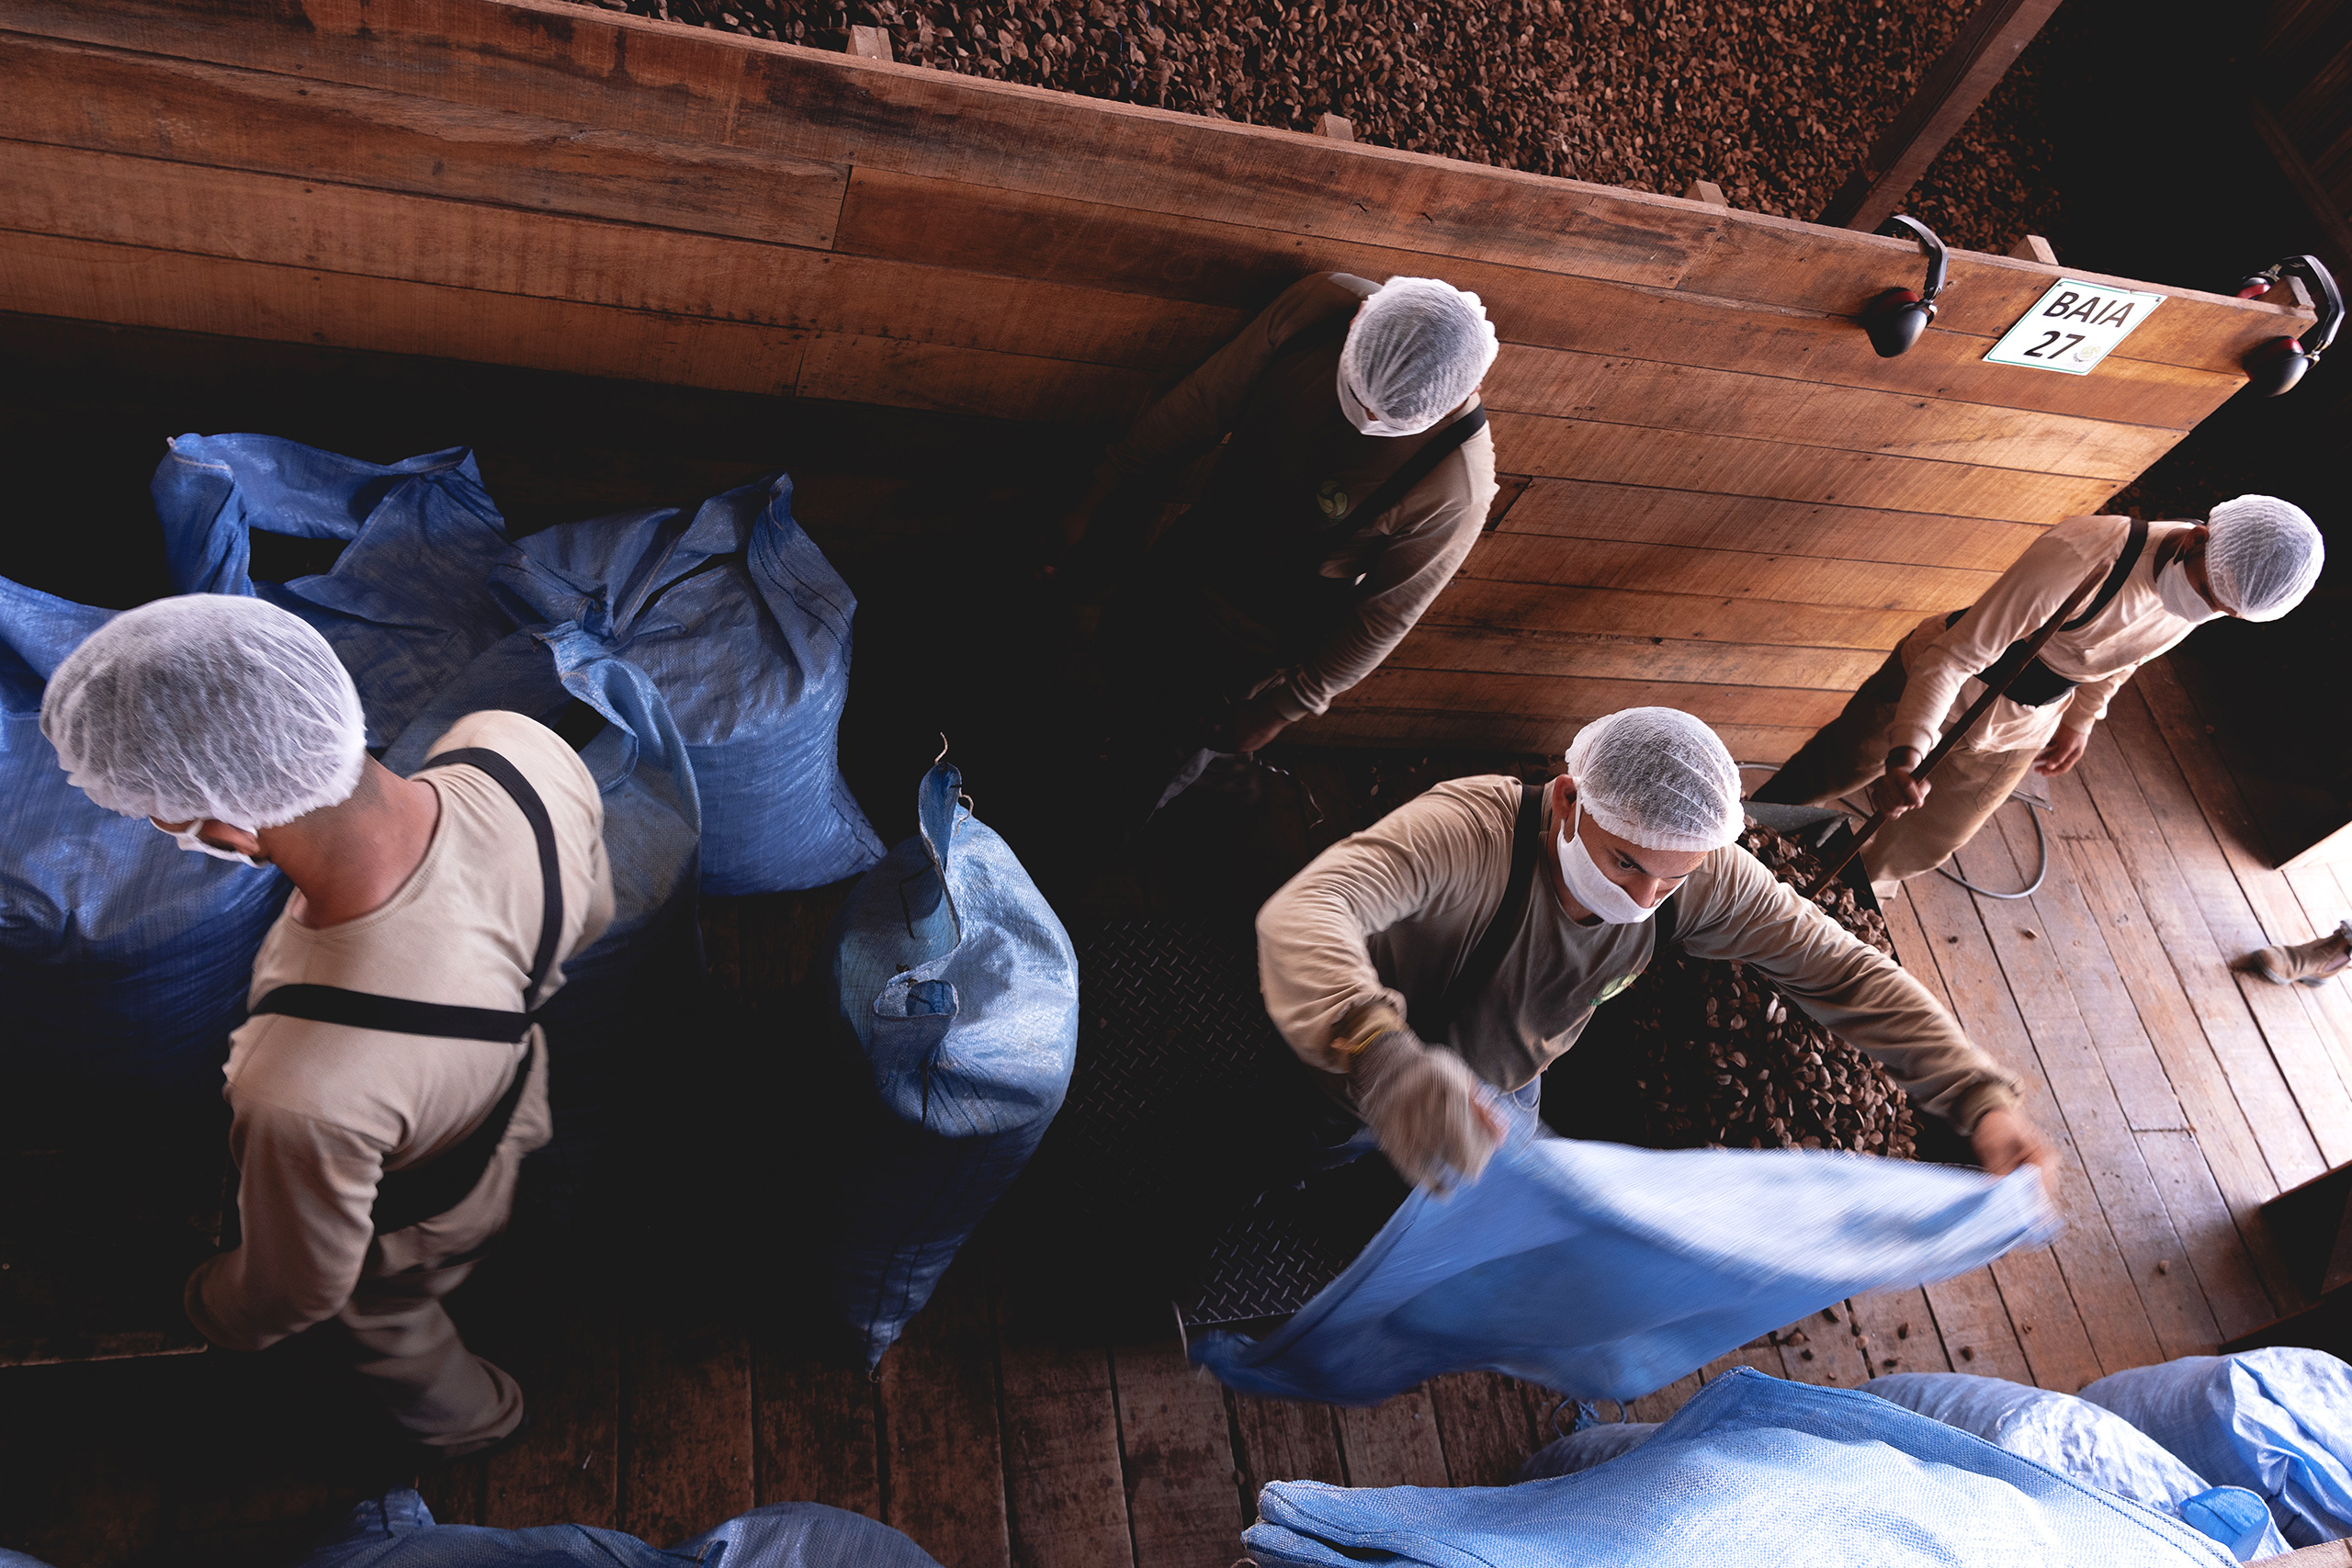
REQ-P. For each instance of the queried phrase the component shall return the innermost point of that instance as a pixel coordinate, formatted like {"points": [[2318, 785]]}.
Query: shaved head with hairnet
{"points": [[2262, 556], [207, 706], [1418, 348], [1657, 778]]}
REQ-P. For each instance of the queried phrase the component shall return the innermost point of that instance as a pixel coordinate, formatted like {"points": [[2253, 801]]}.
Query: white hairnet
{"points": [[1416, 349], [209, 706], [2264, 555], [1658, 778]]}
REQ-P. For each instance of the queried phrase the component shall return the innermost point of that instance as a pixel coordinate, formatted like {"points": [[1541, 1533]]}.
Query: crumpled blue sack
{"points": [[744, 627], [2077, 1437], [1586, 1447], [398, 1531], [961, 987], [1606, 1272], [2276, 1422], [124, 958], [1753, 1471], [408, 602]]}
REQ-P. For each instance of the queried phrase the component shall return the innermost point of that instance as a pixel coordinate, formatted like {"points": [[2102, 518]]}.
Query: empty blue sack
{"points": [[2276, 1422], [961, 987], [125, 959], [1756, 1472], [744, 627], [1607, 1272]]}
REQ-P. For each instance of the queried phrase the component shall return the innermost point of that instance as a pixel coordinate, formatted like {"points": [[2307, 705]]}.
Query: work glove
{"points": [[1423, 1106]]}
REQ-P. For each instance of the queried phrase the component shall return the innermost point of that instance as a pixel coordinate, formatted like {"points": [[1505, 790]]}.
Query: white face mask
{"points": [[1361, 417], [2180, 595], [186, 838], [1590, 886]]}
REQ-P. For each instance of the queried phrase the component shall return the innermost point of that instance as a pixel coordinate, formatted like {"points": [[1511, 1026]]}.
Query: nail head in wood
{"points": [[1707, 191], [870, 43], [1339, 127], [2034, 248]]}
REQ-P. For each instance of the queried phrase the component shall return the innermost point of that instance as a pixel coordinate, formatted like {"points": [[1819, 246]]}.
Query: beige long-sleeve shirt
{"points": [[1390, 915], [1940, 663], [322, 1111], [1402, 556]]}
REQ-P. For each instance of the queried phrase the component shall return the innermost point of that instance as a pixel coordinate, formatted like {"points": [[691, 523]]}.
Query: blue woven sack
{"points": [[2077, 1437], [1753, 1470], [407, 604], [744, 627], [961, 987], [397, 1530], [125, 959], [2276, 1422], [1607, 1272]]}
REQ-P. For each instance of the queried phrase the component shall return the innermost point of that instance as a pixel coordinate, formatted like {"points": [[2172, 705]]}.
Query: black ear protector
{"points": [[1897, 318], [2278, 364]]}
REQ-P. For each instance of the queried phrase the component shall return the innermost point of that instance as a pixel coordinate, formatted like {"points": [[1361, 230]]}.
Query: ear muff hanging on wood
{"points": [[2276, 365], [1896, 319]]}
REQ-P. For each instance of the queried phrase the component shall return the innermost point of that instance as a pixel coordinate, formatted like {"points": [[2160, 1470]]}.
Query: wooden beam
{"points": [[1339, 127], [1707, 191], [2034, 248], [1993, 35], [870, 43], [2332, 220]]}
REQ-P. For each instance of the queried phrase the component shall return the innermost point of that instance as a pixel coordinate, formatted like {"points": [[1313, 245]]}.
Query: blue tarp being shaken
{"points": [[1607, 1272]]}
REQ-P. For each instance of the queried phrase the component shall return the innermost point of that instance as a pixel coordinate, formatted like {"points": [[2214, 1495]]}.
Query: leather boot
{"points": [[2312, 963]]}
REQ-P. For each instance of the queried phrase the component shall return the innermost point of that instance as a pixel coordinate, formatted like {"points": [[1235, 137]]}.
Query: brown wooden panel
{"points": [[814, 1435], [1178, 1449], [970, 380], [621, 69], [1428, 646], [940, 1427], [1488, 1425], [1656, 392], [1507, 732], [1642, 514], [567, 1465], [1898, 1330], [463, 244], [133, 287], [1476, 602], [1066, 1505], [1612, 453], [1723, 574], [1393, 1443], [1660, 1404], [1283, 1439], [193, 113], [686, 1425], [1532, 696], [912, 217]]}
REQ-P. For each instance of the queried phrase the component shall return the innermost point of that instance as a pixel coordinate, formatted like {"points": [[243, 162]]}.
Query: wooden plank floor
{"points": [[2181, 1095]]}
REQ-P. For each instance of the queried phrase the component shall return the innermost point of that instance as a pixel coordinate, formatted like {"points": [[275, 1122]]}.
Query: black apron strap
{"points": [[1419, 466], [410, 1196], [1433, 1022], [2135, 541], [2031, 682]]}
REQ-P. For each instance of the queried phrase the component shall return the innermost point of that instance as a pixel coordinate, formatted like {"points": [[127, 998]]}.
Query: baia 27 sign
{"points": [[2072, 327]]}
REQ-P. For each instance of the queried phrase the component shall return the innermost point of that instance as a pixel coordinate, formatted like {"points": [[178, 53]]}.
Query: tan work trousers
{"points": [[1849, 751], [404, 1344]]}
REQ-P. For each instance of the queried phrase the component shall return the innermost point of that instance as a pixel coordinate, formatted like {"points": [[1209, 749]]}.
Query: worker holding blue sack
{"points": [[392, 1074], [1459, 946], [1356, 472]]}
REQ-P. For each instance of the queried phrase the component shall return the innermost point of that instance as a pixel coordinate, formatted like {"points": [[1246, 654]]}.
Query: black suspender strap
{"points": [[420, 1191], [2033, 684], [1433, 1023], [2135, 541]]}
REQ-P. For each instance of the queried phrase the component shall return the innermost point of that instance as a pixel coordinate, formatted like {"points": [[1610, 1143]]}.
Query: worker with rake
{"points": [[2015, 682]]}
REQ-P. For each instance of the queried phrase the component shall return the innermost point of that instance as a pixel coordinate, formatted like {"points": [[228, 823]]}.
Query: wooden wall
{"points": [[2303, 81], [1720, 498]]}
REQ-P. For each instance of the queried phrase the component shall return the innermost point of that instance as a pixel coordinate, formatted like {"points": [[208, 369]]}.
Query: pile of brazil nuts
{"points": [[1705, 1053]]}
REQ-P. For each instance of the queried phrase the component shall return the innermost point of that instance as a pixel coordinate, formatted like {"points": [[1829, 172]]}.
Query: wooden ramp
{"points": [[2181, 1096]]}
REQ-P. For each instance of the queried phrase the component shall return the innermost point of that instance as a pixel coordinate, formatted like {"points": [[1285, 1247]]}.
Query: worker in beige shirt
{"points": [[1356, 473], [2253, 558], [1398, 970], [392, 1078]]}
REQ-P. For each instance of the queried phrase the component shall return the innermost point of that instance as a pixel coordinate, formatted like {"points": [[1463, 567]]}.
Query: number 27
{"points": [[2043, 350]]}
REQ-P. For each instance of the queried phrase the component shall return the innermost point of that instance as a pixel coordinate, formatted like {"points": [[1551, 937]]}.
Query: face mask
{"points": [[1361, 417], [186, 838], [2180, 595], [1590, 888]]}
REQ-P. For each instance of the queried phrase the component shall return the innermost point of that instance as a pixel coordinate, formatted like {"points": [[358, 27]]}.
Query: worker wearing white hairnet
{"points": [[2253, 558], [377, 1151], [1386, 968], [1357, 474]]}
